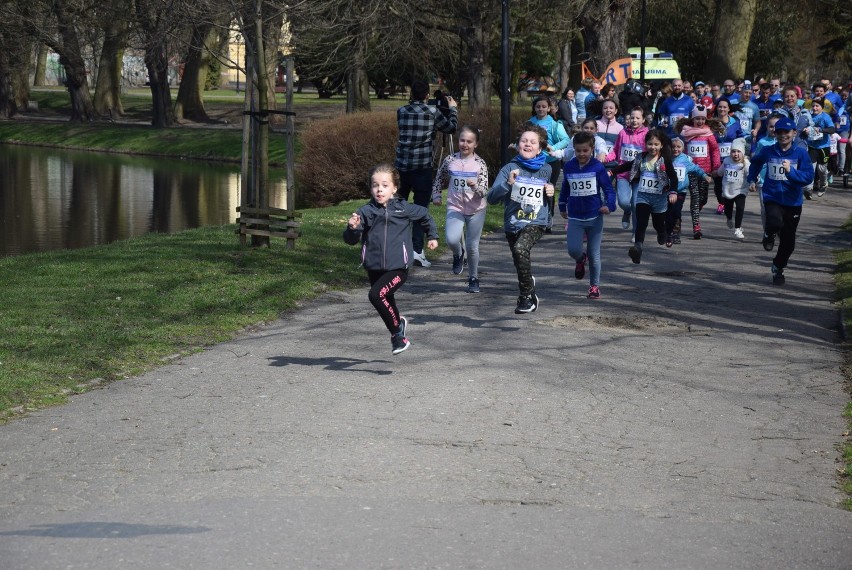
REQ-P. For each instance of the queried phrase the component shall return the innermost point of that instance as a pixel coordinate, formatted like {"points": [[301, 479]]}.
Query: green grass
{"points": [[113, 311], [843, 282]]}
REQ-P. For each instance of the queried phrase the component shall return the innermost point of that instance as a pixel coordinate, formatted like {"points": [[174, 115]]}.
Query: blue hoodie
{"points": [[519, 212], [585, 189], [782, 188], [684, 166]]}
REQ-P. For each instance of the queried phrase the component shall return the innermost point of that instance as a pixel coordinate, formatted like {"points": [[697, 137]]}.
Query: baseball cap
{"points": [[746, 84], [698, 84], [785, 124]]}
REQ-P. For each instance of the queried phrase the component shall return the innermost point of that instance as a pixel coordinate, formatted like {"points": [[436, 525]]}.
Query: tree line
{"points": [[356, 47]]}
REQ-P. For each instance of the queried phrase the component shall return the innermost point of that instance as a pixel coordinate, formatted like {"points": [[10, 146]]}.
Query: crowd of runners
{"points": [[644, 152]]}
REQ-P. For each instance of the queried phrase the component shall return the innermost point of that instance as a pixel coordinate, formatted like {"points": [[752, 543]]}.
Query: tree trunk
{"points": [[71, 58], [108, 85], [158, 76], [40, 76], [605, 31], [8, 107], [728, 58], [261, 146], [190, 103], [479, 80], [357, 81]]}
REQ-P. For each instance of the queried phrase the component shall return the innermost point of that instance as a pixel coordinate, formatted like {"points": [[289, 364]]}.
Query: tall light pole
{"points": [[505, 92], [239, 39], [643, 39]]}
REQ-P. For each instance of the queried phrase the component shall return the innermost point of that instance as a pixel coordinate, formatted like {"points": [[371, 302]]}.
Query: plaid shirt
{"points": [[417, 123]]}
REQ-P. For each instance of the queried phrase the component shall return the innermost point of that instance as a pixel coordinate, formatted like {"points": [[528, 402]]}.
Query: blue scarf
{"points": [[534, 163]]}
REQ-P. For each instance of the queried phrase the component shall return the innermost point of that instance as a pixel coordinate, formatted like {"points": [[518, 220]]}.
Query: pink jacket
{"points": [[627, 147]]}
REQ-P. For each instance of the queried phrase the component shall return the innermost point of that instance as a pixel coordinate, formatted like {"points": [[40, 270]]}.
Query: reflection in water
{"points": [[52, 199]]}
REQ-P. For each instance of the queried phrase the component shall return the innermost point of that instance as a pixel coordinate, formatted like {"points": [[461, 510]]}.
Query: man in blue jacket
{"points": [[788, 172], [674, 107]]}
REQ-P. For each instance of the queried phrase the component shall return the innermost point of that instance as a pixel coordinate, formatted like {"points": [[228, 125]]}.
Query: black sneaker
{"points": [[676, 238], [473, 285], [635, 254], [527, 303], [458, 263], [399, 343], [661, 238], [403, 322], [777, 276], [808, 195], [768, 242]]}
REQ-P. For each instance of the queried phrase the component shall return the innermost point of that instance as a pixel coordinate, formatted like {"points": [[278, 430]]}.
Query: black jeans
{"points": [[420, 181], [782, 220], [643, 212], [383, 285], [739, 201]]}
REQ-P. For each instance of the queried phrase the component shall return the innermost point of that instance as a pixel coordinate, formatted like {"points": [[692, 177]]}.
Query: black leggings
{"points": [[521, 244], [739, 201], [782, 220], [383, 285], [673, 214], [643, 212]]}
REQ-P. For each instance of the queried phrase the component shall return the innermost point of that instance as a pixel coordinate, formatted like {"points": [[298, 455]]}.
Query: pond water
{"points": [[54, 199]]}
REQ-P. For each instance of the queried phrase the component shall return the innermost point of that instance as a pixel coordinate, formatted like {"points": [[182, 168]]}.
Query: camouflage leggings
{"points": [[699, 191], [521, 243]]}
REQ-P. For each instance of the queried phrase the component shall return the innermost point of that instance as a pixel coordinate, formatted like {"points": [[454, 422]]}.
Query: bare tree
{"points": [[729, 51], [604, 30]]}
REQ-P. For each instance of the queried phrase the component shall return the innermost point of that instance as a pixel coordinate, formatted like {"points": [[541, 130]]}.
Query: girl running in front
{"points": [[522, 186], [654, 173], [684, 169], [586, 197], [383, 226], [733, 174], [465, 175], [732, 131]]}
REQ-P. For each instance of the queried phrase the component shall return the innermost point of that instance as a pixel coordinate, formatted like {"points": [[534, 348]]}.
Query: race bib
{"points": [[649, 183], [814, 134], [773, 170], [674, 119], [724, 149], [529, 191], [582, 184], [609, 147], [745, 124], [697, 149], [844, 120], [458, 181], [629, 152], [832, 146], [734, 175], [680, 172]]}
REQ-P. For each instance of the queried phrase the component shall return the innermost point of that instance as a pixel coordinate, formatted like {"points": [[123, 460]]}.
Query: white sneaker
{"points": [[738, 233], [420, 259]]}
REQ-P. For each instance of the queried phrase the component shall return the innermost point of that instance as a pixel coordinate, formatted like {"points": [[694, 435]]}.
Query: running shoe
{"points": [[696, 231], [458, 263], [730, 223], [526, 304], [399, 343], [661, 237], [420, 259], [635, 254], [473, 285], [768, 242], [738, 233], [594, 292], [580, 267], [625, 221], [669, 240], [720, 209], [777, 276], [676, 238], [808, 195], [821, 192]]}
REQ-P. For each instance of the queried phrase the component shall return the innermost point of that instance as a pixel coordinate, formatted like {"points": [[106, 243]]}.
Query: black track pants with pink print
{"points": [[383, 285]]}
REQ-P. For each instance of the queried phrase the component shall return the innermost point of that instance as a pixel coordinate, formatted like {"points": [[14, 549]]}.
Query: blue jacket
{"points": [[672, 109], [385, 233], [519, 214], [585, 189], [823, 122], [684, 161], [785, 189]]}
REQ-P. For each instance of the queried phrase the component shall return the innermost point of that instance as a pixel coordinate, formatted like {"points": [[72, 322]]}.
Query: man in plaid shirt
{"points": [[417, 124]]}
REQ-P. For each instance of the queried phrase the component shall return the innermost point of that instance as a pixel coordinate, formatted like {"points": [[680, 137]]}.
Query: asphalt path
{"points": [[690, 418]]}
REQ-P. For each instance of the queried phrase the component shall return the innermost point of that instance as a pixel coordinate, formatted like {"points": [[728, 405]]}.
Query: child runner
{"points": [[383, 226], [734, 186], [702, 147], [654, 174], [608, 126], [557, 139], [586, 197], [686, 170], [789, 171], [522, 185], [729, 131], [629, 143], [465, 175], [818, 143]]}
